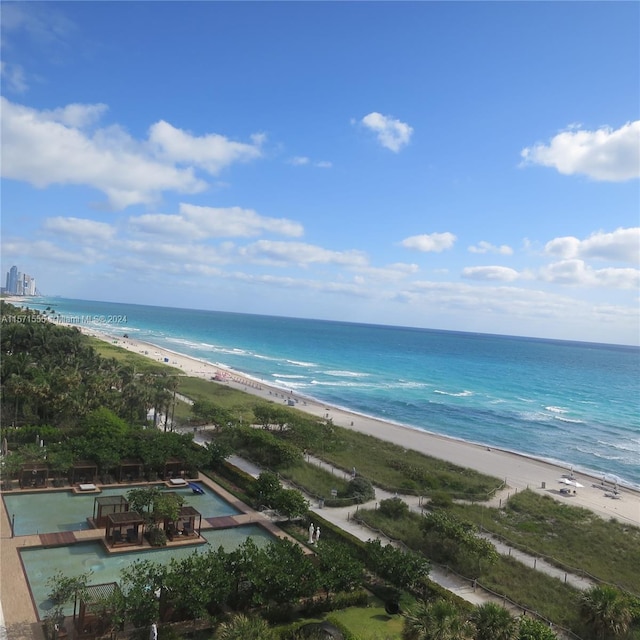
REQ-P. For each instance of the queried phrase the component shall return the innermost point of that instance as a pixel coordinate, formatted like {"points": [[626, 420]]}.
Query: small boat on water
{"points": [[196, 488]]}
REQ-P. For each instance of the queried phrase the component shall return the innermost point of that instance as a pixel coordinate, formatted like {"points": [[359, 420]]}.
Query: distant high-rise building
{"points": [[20, 284], [12, 280]]}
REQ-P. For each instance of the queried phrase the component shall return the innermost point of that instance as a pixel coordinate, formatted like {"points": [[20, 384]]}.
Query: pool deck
{"points": [[20, 617]]}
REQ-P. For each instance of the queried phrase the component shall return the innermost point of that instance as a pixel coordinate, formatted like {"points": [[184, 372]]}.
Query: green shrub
{"points": [[394, 508], [157, 537], [440, 500], [361, 490]]}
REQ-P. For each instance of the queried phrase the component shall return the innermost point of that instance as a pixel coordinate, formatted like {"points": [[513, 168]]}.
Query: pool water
{"points": [[55, 511], [74, 560]]}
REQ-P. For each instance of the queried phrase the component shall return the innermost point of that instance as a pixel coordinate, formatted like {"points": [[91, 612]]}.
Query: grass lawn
{"points": [[370, 623], [142, 364]]}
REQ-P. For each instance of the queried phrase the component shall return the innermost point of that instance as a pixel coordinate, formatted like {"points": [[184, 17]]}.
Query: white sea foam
{"points": [[556, 409], [345, 374], [571, 420], [299, 363], [289, 384], [461, 394], [328, 383]]}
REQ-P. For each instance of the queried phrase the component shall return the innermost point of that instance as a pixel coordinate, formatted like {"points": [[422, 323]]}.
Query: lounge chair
{"points": [[117, 536], [132, 536], [187, 530]]}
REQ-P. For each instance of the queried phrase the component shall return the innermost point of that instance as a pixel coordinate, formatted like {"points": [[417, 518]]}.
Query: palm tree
{"points": [[439, 620], [493, 622], [531, 629], [605, 612], [242, 627]]}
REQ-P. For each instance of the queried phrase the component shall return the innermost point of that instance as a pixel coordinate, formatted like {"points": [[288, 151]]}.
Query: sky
{"points": [[464, 166]]}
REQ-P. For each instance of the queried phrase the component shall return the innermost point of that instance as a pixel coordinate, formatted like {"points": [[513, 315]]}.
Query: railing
{"points": [[475, 584], [578, 572]]}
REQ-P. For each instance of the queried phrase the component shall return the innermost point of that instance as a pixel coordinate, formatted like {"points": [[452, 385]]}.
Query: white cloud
{"points": [[300, 161], [80, 229], [390, 273], [621, 245], [76, 115], [433, 242], [578, 273], [391, 133], [175, 255], [40, 149], [487, 247], [13, 77], [211, 152], [43, 24], [198, 222], [237, 222], [490, 273], [301, 254], [604, 154], [49, 251]]}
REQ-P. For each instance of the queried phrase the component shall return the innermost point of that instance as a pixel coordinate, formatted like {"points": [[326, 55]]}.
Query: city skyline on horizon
{"points": [[18, 283]]}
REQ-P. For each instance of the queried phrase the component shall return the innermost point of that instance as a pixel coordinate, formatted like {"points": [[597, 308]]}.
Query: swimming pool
{"points": [[55, 511], [76, 559]]}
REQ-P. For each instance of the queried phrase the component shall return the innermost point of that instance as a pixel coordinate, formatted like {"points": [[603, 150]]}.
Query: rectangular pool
{"points": [[55, 511], [76, 559]]}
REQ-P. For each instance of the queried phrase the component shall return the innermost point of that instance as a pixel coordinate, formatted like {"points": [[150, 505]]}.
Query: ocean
{"points": [[573, 403]]}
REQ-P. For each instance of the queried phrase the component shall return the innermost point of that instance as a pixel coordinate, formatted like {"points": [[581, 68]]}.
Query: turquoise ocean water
{"points": [[570, 402]]}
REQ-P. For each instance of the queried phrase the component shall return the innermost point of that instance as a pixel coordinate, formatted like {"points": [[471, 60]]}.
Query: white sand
{"points": [[518, 471]]}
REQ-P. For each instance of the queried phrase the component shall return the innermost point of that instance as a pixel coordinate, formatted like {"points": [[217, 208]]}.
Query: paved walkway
{"points": [[342, 518], [416, 504]]}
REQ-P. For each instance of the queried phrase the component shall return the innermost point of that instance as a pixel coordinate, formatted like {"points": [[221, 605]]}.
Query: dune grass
{"points": [[537, 591], [315, 480], [573, 536], [395, 468]]}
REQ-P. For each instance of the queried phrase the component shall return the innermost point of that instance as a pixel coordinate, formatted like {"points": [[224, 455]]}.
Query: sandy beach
{"points": [[518, 471]]}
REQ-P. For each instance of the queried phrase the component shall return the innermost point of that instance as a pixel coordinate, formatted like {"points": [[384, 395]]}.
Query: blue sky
{"points": [[466, 166]]}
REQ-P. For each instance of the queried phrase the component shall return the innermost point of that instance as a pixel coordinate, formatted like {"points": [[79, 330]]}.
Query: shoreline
{"points": [[519, 470]]}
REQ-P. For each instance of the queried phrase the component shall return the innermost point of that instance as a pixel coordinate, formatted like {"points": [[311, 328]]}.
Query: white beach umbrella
{"points": [[573, 483]]}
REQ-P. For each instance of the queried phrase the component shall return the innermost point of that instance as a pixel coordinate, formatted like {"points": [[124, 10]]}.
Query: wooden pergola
{"points": [[34, 475], [130, 470], [124, 527], [104, 506], [174, 468], [91, 619], [189, 521], [83, 471]]}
